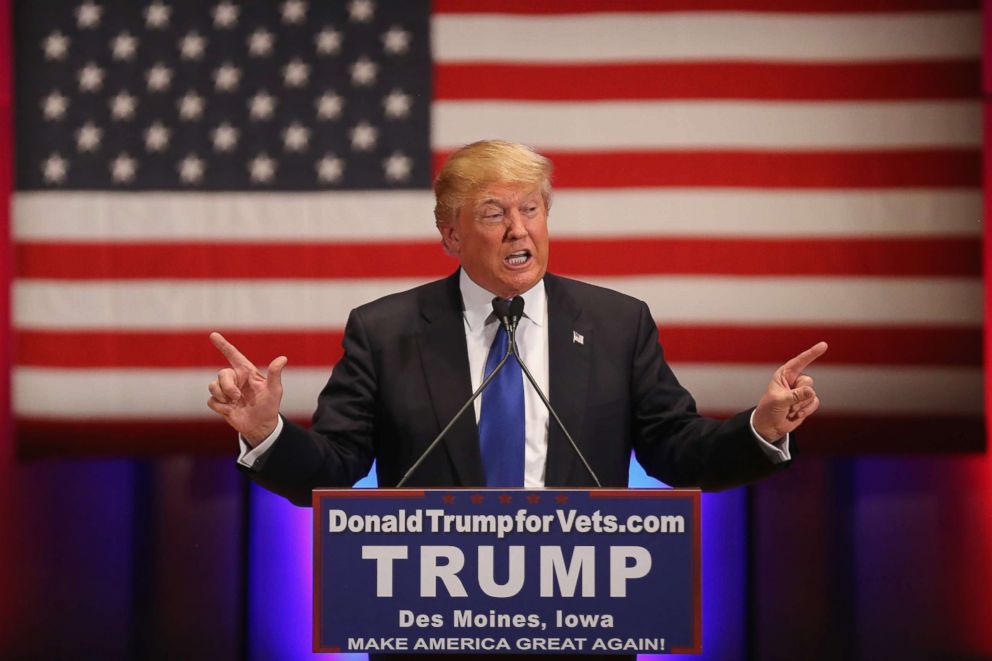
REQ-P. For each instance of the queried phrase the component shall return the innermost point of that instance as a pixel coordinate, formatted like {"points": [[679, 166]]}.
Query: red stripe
{"points": [[711, 80], [855, 345], [822, 434], [586, 257], [934, 168], [530, 7]]}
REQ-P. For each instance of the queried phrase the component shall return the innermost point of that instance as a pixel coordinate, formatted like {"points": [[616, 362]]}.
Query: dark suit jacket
{"points": [[405, 373]]}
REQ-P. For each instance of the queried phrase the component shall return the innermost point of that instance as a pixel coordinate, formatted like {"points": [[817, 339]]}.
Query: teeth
{"points": [[517, 258]]}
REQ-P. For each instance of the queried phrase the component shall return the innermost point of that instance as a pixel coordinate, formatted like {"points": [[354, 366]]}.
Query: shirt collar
{"points": [[479, 303]]}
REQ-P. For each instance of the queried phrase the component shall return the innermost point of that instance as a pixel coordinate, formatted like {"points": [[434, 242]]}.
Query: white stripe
{"points": [[275, 217], [173, 305], [643, 37], [139, 393], [710, 124]]}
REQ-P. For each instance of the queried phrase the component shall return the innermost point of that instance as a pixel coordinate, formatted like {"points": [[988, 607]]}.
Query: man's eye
{"points": [[492, 216]]}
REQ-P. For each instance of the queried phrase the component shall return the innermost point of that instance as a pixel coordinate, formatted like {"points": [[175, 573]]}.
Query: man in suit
{"points": [[413, 358]]}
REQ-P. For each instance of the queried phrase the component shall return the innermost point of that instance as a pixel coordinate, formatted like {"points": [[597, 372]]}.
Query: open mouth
{"points": [[518, 258]]}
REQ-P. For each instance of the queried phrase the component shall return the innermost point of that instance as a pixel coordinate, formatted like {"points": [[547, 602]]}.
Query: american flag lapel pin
{"points": [[577, 338]]}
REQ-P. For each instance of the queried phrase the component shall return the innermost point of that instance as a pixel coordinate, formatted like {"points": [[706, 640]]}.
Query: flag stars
{"points": [[157, 16], [123, 105], [55, 168], [363, 72], [123, 168], [224, 137], [123, 46], [396, 41], [363, 136], [328, 41], [329, 105], [262, 168], [397, 167], [361, 11], [88, 15], [159, 77], [262, 105], [296, 73], [260, 43], [191, 46], [90, 78], [191, 106], [225, 15], [227, 77], [293, 12], [191, 169], [397, 104], [88, 137], [56, 46], [330, 169], [157, 137], [296, 137], [54, 105]]}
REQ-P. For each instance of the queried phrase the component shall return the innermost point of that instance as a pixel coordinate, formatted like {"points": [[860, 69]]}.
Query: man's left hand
{"points": [[790, 397]]}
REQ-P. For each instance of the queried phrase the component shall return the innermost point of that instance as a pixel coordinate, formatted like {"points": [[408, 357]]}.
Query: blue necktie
{"points": [[501, 424]]}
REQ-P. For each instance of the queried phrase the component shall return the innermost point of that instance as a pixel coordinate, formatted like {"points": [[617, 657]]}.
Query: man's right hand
{"points": [[246, 398]]}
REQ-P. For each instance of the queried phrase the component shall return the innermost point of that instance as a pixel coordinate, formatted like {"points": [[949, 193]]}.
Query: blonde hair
{"points": [[481, 164]]}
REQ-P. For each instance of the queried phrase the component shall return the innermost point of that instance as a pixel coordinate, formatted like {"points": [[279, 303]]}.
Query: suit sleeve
{"points": [[672, 441], [338, 449]]}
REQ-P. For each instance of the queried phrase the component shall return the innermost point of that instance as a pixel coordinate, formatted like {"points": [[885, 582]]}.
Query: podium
{"points": [[507, 571]]}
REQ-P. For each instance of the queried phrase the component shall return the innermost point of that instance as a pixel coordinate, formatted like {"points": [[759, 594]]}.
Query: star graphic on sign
{"points": [[55, 169], [260, 42], [191, 46], [330, 168], [363, 71], [262, 168], [328, 41], [123, 46], [293, 11], [156, 137], [295, 73], [88, 15], [191, 106], [262, 105], [159, 77], [397, 104], [329, 105], [363, 136], [396, 40], [191, 169], [224, 137], [90, 78], [157, 15], [225, 14], [123, 168], [295, 137], [226, 77], [54, 105], [88, 137], [55, 45], [361, 11], [397, 167], [122, 105]]}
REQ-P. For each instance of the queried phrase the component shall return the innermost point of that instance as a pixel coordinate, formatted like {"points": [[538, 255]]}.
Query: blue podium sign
{"points": [[501, 571]]}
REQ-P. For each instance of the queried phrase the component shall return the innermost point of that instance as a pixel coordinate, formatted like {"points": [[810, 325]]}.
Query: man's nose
{"points": [[515, 227]]}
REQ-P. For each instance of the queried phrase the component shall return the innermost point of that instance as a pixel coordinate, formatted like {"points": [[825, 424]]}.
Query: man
{"points": [[412, 359]]}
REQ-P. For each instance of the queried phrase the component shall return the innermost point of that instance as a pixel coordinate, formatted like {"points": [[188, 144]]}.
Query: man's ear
{"points": [[449, 238]]}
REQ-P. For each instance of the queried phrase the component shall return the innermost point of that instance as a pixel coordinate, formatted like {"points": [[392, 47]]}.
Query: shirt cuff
{"points": [[250, 456], [777, 452]]}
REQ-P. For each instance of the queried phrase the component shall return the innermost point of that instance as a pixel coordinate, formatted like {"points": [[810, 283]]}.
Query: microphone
{"points": [[512, 318]]}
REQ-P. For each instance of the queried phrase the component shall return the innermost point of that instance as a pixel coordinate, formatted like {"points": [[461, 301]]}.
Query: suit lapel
{"points": [[444, 356], [570, 341]]}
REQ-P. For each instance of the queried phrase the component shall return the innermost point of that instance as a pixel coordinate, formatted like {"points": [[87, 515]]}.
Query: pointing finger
{"points": [[235, 357], [795, 366]]}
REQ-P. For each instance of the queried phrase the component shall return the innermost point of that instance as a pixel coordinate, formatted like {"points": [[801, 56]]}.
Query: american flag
{"points": [[765, 174]]}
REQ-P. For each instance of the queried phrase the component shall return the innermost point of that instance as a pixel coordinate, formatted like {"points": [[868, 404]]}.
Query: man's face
{"points": [[501, 238]]}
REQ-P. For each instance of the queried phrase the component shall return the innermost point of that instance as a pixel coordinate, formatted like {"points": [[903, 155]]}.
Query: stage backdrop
{"points": [[765, 174]]}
